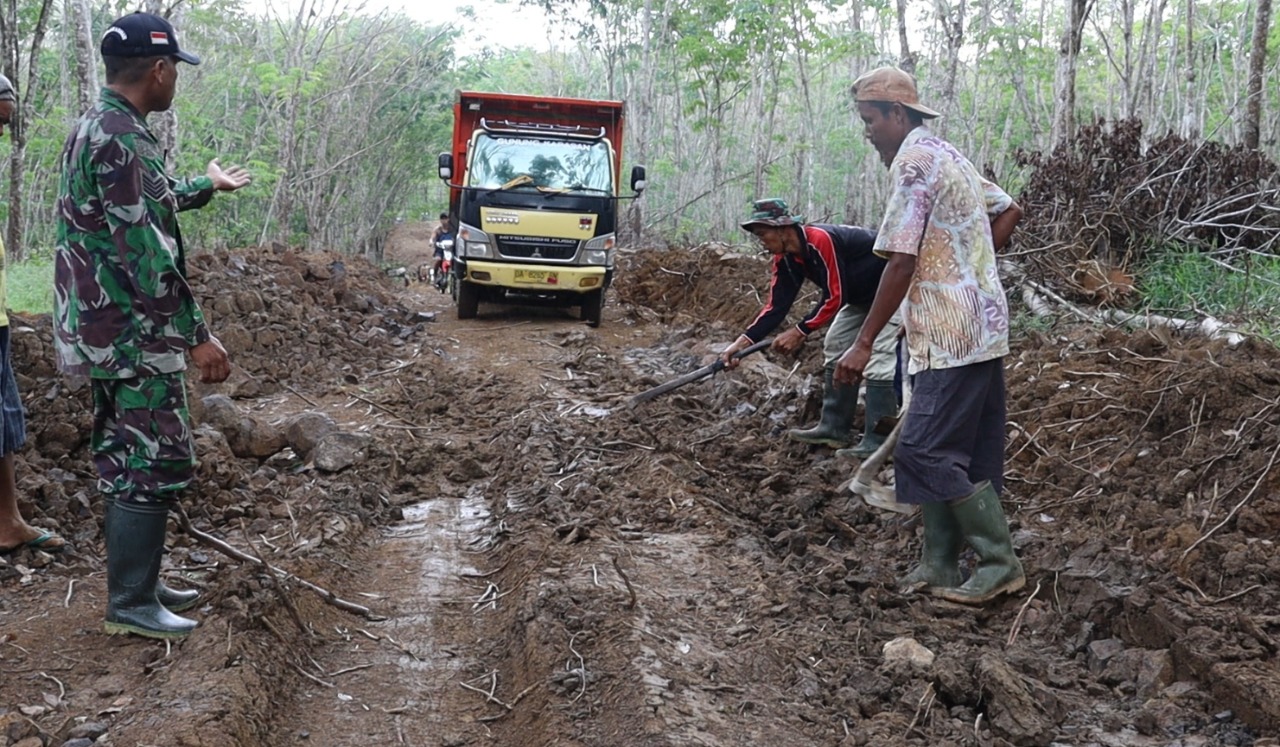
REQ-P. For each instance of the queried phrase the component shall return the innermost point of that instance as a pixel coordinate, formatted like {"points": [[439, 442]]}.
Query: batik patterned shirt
{"points": [[940, 211], [122, 305]]}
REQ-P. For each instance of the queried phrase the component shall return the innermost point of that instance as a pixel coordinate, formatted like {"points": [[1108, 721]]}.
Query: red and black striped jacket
{"points": [[839, 260]]}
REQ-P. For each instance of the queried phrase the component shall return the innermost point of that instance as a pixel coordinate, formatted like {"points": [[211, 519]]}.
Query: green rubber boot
{"points": [[176, 600], [838, 404], [882, 402], [981, 520], [940, 552], [135, 542]]}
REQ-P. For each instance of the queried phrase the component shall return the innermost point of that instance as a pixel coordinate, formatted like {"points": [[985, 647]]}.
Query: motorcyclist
{"points": [[443, 232]]}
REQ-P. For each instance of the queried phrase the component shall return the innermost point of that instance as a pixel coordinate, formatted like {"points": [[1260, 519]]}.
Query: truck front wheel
{"points": [[593, 307], [468, 299]]}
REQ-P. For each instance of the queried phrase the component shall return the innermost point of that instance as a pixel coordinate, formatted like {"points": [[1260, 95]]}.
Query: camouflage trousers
{"points": [[141, 442]]}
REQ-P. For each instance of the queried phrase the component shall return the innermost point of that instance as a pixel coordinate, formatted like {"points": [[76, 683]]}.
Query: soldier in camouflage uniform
{"points": [[126, 316], [15, 532]]}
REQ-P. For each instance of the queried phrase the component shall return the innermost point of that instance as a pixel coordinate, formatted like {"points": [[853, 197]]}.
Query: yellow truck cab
{"points": [[534, 185]]}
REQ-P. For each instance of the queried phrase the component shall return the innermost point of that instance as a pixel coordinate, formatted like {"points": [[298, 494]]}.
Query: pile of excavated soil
{"points": [[676, 572]]}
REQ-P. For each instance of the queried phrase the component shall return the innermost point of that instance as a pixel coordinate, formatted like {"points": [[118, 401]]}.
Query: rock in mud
{"points": [[1021, 709], [1101, 653], [1252, 690], [908, 652], [246, 435], [88, 730], [337, 451], [20, 729], [305, 430]]}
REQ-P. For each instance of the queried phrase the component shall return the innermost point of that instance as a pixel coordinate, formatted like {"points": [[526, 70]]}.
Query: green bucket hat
{"points": [[772, 211]]}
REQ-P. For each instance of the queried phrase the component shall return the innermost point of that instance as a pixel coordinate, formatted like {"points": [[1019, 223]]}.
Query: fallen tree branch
{"points": [[277, 584], [208, 540], [1037, 298]]}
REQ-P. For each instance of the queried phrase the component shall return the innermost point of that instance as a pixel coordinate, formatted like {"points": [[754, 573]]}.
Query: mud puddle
{"points": [[397, 682]]}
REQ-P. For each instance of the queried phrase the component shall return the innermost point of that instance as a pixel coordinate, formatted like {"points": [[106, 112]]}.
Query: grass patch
{"points": [[29, 286], [1190, 284]]}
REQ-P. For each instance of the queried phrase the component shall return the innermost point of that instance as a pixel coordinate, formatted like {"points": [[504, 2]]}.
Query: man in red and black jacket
{"points": [[839, 260]]}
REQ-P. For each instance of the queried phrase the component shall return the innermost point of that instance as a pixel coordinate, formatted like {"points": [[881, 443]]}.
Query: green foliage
{"points": [[1183, 282], [29, 285], [340, 121]]}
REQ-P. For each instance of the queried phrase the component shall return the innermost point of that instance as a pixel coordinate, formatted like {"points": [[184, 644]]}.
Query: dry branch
{"points": [[329, 597], [1231, 514]]}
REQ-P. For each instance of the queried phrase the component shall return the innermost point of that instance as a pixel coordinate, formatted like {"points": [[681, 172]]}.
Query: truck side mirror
{"points": [[445, 166], [637, 179]]}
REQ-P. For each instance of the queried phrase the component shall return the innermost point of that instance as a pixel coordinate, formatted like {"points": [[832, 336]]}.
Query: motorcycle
{"points": [[442, 278]]}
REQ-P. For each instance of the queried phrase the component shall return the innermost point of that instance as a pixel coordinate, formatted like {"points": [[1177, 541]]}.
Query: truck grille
{"points": [[537, 247]]}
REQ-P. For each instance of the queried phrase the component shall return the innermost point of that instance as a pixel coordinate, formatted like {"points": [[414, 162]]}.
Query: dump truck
{"points": [[534, 189]]}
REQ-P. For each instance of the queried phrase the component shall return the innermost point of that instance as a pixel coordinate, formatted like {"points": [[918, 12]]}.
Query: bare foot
{"points": [[25, 534]]}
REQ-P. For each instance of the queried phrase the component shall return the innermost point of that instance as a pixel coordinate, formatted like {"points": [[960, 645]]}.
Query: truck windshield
{"points": [[512, 163]]}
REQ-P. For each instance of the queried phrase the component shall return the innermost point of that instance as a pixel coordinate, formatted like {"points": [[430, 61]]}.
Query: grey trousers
{"points": [[844, 330], [954, 435]]}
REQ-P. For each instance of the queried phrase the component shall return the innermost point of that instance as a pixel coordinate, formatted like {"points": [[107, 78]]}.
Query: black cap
{"points": [[143, 35]]}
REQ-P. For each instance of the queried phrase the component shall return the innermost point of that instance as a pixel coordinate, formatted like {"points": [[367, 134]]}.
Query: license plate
{"points": [[537, 277]]}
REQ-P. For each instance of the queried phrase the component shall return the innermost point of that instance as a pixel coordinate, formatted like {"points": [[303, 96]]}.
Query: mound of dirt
{"points": [[707, 284]]}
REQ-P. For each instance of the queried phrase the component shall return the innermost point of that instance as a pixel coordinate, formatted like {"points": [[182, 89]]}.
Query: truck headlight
{"points": [[475, 243], [599, 251]]}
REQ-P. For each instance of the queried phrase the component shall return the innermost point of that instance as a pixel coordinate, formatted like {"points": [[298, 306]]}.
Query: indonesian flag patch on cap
{"points": [[144, 35]]}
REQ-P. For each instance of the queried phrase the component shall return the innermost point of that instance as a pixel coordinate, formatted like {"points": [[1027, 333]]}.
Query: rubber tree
{"points": [[22, 35], [86, 68], [1257, 64], [1064, 107]]}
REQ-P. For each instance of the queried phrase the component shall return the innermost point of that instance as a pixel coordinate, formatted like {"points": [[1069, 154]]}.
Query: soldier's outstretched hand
{"points": [[211, 358], [229, 179]]}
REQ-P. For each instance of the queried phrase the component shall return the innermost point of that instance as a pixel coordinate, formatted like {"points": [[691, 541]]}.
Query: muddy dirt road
{"points": [[543, 565]]}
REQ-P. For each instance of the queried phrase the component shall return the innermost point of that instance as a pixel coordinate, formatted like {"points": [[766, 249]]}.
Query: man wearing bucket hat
{"points": [[942, 227], [839, 260], [126, 318]]}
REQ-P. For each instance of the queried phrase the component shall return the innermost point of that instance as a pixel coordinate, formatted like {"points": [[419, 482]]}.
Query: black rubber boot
{"points": [[135, 544], [176, 600], [940, 553], [882, 402], [982, 522], [834, 426]]}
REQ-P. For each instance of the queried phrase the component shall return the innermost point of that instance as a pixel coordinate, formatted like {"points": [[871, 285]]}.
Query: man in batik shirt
{"points": [[126, 317], [940, 232], [15, 532]]}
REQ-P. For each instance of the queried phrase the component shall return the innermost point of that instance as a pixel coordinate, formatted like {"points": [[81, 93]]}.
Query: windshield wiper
{"points": [[574, 188]]}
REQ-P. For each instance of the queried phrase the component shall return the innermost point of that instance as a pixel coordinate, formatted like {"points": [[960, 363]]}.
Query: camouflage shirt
{"points": [[122, 305]]}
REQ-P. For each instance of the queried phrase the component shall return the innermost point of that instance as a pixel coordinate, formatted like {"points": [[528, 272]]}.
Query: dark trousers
{"points": [[954, 435]]}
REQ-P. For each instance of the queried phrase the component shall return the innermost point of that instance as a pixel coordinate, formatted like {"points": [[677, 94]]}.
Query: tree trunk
{"points": [[952, 21], [1064, 110], [908, 60], [86, 57], [1257, 62], [1190, 129], [22, 113], [165, 124]]}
